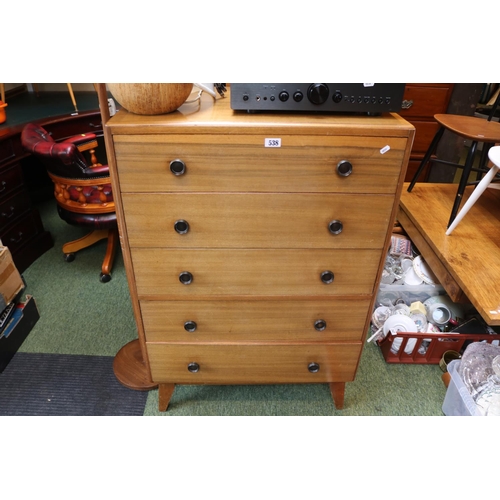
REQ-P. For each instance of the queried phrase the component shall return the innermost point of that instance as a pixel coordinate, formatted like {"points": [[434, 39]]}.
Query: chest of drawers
{"points": [[421, 101], [250, 264], [21, 228]]}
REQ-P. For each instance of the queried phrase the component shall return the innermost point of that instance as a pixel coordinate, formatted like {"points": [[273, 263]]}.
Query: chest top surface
{"points": [[217, 117]]}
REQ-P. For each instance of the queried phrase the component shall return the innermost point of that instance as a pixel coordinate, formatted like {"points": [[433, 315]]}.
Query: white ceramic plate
{"points": [[399, 323], [411, 278], [423, 271]]}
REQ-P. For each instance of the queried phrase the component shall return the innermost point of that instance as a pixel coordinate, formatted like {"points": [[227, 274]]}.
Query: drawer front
{"points": [[260, 320], [20, 233], [413, 165], [253, 272], [253, 364], [7, 150], [257, 220], [13, 207], [424, 133], [10, 179], [425, 101], [242, 163]]}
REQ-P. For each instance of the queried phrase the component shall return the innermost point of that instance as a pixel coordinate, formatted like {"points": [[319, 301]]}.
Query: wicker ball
{"points": [[150, 98]]}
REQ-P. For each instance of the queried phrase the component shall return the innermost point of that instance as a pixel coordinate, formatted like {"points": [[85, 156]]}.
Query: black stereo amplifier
{"points": [[371, 98]]}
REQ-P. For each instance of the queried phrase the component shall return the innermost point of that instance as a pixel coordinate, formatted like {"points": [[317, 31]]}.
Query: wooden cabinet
{"points": [[21, 229], [250, 264], [421, 101], [23, 180]]}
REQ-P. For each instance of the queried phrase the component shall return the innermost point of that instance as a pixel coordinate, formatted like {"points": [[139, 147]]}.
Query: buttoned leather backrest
{"points": [[62, 159]]}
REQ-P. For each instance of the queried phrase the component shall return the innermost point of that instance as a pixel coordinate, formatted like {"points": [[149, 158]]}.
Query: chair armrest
{"points": [[86, 142], [99, 169]]}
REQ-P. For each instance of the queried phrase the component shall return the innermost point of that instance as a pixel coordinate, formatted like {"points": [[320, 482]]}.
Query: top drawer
{"points": [[243, 163], [425, 101]]}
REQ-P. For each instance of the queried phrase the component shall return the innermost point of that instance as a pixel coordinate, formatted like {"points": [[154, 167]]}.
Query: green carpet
{"points": [[81, 315]]}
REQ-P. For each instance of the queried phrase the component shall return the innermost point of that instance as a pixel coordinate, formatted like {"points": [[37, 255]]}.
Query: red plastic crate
{"points": [[439, 344]]}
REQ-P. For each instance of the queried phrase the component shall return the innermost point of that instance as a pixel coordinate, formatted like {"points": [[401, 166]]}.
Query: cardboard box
{"points": [[11, 282]]}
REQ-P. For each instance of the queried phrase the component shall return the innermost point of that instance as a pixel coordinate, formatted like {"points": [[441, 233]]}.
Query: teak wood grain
{"points": [[218, 118], [255, 321], [471, 254], [249, 272], [235, 220], [258, 239], [253, 364], [238, 163], [471, 127]]}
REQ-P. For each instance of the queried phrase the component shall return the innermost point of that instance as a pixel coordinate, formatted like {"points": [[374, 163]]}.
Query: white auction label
{"points": [[272, 143]]}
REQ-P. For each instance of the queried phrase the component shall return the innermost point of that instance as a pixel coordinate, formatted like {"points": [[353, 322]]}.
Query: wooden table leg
{"points": [[165, 392], [338, 389]]}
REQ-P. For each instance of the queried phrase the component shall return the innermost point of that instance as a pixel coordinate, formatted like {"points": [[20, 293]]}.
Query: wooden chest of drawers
{"points": [[250, 264]]}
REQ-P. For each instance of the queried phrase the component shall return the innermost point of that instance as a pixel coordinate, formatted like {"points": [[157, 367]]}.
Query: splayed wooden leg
{"points": [[338, 389], [165, 392]]}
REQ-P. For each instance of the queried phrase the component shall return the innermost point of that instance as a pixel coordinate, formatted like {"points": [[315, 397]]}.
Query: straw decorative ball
{"points": [[150, 98]]}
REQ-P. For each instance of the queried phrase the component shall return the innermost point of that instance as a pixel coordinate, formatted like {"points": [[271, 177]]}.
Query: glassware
{"points": [[494, 407], [480, 372]]}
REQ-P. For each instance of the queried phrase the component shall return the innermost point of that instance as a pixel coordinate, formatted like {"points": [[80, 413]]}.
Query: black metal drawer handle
{"points": [[19, 238], [327, 277], [181, 226], [320, 325], [8, 215], [335, 226], [4, 186], [190, 326], [177, 167], [193, 367], [344, 168], [313, 367], [186, 278]]}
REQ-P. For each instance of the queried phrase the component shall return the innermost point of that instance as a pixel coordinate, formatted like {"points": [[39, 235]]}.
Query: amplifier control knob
{"points": [[318, 93], [284, 96], [298, 96]]}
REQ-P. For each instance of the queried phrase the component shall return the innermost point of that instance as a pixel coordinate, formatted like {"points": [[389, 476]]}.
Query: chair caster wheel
{"points": [[69, 257], [105, 278]]}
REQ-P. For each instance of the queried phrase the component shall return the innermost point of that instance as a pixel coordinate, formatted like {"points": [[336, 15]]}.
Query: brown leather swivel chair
{"points": [[82, 189]]}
